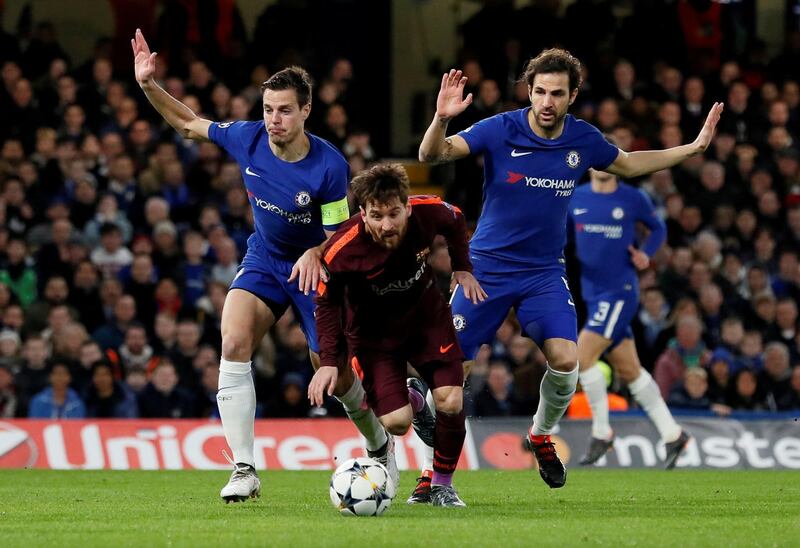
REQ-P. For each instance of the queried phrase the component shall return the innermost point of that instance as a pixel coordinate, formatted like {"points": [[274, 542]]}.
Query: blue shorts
{"points": [[540, 297], [610, 315], [265, 277]]}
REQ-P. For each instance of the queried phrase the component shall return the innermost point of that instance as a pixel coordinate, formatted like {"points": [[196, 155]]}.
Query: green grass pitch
{"points": [[597, 507]]}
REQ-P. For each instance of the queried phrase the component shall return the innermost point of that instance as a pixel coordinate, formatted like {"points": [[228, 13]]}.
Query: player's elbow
{"points": [[425, 157]]}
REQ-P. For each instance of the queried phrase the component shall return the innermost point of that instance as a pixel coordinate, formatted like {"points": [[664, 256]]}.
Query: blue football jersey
{"points": [[528, 182], [292, 201], [604, 226]]}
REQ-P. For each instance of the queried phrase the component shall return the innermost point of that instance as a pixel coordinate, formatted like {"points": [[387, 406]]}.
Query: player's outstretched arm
{"points": [[178, 115], [634, 164], [435, 146]]}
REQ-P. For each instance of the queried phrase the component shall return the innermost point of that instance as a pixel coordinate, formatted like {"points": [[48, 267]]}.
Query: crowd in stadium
{"points": [[118, 239]]}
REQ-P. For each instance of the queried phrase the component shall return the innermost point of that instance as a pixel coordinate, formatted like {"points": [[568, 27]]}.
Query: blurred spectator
{"points": [[17, 274], [58, 401], [685, 351], [112, 334], [291, 401], [10, 347], [108, 398], [163, 398], [85, 296], [111, 255], [182, 355], [56, 292], [775, 379], [8, 396], [32, 375], [744, 395], [135, 353], [496, 398], [692, 392]]}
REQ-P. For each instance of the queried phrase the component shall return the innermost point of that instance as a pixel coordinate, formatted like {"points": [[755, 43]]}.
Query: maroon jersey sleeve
{"points": [[448, 221], [330, 310]]}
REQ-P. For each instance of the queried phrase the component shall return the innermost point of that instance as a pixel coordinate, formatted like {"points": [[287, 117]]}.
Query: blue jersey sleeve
{"points": [[647, 214], [333, 194], [480, 135], [603, 152], [228, 135]]}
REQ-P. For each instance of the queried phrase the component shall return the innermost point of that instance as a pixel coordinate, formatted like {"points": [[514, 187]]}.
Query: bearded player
{"points": [[382, 309], [533, 158]]}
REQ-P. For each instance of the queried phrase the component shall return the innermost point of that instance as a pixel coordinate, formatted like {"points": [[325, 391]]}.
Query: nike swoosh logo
{"points": [[564, 393], [579, 211], [569, 302], [515, 154], [592, 323], [251, 172], [444, 349], [375, 274]]}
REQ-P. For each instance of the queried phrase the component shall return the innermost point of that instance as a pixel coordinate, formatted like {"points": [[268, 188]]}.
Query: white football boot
{"points": [[385, 456], [244, 484]]}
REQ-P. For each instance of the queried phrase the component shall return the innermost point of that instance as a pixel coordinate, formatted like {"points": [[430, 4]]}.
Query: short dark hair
{"points": [[109, 228], [295, 78], [379, 184], [554, 60]]}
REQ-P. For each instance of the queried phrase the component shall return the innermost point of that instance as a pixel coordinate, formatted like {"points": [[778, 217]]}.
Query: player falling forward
{"points": [[297, 185], [381, 309], [603, 216], [533, 158]]}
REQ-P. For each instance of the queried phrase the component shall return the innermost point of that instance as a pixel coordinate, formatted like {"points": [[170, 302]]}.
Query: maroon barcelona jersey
{"points": [[382, 299]]}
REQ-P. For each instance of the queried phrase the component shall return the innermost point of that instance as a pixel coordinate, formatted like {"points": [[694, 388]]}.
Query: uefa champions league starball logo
{"points": [[459, 322], [303, 199], [573, 158], [617, 213]]}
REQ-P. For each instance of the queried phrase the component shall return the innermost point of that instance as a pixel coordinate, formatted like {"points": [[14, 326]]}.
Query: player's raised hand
{"points": [[472, 289], [308, 271], [639, 258], [707, 133], [323, 382], [451, 101], [144, 62]]}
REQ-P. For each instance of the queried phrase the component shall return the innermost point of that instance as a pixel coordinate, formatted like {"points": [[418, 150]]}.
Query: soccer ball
{"points": [[361, 487]]}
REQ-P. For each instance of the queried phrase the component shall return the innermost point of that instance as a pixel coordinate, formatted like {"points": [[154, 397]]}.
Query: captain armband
{"points": [[335, 213]]}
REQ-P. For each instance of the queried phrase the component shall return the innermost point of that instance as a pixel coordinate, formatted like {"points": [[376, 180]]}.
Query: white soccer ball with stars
{"points": [[361, 487]]}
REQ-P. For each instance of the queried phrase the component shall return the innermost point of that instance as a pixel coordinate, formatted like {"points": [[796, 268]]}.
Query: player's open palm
{"points": [[451, 101], [144, 62], [707, 133]]}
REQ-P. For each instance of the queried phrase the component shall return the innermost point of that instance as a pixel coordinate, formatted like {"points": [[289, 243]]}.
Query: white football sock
{"points": [[363, 416], [236, 400], [427, 460], [555, 393], [645, 391], [594, 386]]}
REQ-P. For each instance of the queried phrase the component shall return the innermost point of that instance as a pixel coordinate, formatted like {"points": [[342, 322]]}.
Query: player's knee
{"points": [[627, 372], [237, 347], [398, 422], [564, 364], [450, 402], [396, 426]]}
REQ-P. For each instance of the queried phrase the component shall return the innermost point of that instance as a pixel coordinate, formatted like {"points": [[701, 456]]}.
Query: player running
{"points": [[533, 158], [381, 308], [297, 185], [603, 217]]}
